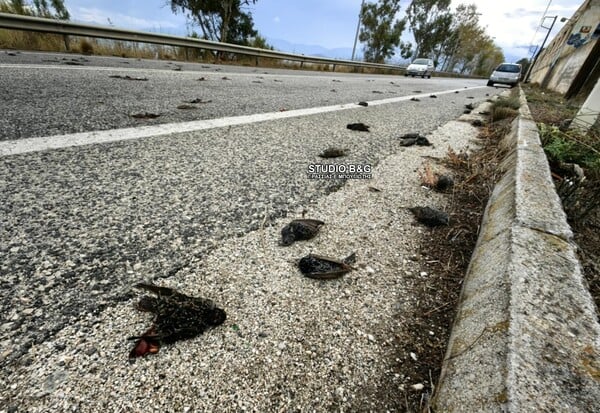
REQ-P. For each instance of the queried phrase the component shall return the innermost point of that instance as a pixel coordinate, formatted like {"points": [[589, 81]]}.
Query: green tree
{"points": [[524, 62], [40, 8], [468, 49], [380, 30], [44, 10], [219, 20], [430, 22]]}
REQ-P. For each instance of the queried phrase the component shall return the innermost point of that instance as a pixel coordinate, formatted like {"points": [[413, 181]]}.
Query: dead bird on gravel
{"points": [[145, 115], [410, 139], [176, 317], [444, 182], [324, 268], [333, 152], [415, 99], [360, 127], [430, 216], [362, 103], [300, 229]]}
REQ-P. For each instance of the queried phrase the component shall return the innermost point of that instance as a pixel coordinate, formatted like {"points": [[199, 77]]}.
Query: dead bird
{"points": [[410, 139], [361, 127], [300, 229], [444, 182], [433, 96], [333, 152], [176, 317], [324, 268], [362, 103], [145, 115], [415, 99], [430, 216], [127, 77]]}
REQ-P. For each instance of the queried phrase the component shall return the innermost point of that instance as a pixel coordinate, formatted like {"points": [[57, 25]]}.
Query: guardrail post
{"points": [[333, 68]]}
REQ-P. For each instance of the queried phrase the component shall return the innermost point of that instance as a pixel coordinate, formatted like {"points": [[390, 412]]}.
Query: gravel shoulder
{"points": [[289, 343]]}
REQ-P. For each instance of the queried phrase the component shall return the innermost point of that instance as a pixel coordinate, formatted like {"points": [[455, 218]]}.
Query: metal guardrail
{"points": [[37, 24]]}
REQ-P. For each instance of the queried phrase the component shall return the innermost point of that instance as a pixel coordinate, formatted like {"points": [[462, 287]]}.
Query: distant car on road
{"points": [[506, 74], [420, 67]]}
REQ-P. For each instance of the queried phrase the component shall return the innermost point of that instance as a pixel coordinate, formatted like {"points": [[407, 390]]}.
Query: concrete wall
{"points": [[560, 62]]}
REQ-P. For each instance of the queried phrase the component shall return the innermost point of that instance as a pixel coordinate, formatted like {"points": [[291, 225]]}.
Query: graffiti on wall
{"points": [[583, 36]]}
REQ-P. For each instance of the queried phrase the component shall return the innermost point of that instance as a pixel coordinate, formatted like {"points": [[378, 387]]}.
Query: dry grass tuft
{"points": [[428, 177]]}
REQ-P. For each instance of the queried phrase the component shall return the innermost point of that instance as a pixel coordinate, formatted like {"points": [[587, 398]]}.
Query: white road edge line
{"points": [[20, 146]]}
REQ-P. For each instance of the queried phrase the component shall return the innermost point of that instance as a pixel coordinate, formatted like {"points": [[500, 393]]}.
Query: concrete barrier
{"points": [[526, 336]]}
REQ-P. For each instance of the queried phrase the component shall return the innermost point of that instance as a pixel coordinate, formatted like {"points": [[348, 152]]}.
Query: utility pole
{"points": [[533, 62], [357, 28]]}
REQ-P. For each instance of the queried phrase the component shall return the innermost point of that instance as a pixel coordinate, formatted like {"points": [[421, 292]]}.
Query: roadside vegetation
{"points": [[574, 159]]}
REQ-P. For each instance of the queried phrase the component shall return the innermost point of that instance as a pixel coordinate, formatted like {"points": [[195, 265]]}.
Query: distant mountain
{"points": [[313, 50]]}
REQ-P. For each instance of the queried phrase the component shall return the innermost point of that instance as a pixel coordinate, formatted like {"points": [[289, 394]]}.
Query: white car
{"points": [[420, 67], [506, 74]]}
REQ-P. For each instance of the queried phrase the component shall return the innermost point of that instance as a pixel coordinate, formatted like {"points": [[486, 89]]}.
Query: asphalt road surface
{"points": [[80, 224]]}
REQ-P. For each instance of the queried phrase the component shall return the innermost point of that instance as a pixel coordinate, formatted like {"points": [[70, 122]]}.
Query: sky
{"points": [[332, 24]]}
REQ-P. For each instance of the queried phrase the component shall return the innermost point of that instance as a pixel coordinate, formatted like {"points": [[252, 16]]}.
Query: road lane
{"points": [[79, 225], [42, 100]]}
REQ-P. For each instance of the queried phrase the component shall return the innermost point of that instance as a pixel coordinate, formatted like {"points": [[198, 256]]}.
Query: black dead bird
{"points": [[363, 103], [300, 229], [176, 317], [145, 115], [360, 127], [430, 216], [415, 99], [410, 139], [127, 77], [433, 96], [470, 106], [333, 152], [198, 100], [444, 182], [325, 268]]}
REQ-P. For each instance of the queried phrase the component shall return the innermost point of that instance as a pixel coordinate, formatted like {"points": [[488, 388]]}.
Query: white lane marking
{"points": [[19, 146]]}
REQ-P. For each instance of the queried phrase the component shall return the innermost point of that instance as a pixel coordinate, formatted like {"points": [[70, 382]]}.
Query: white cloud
{"points": [[276, 20], [513, 23]]}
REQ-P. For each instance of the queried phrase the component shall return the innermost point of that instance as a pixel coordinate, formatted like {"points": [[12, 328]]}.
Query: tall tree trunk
{"points": [[225, 19]]}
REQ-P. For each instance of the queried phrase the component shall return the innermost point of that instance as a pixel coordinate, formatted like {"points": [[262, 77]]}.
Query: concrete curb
{"points": [[526, 336]]}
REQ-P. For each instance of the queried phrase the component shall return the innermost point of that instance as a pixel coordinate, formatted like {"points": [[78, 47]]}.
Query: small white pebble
{"points": [[417, 386], [281, 346], [431, 333], [370, 270], [423, 274], [370, 337], [413, 356]]}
